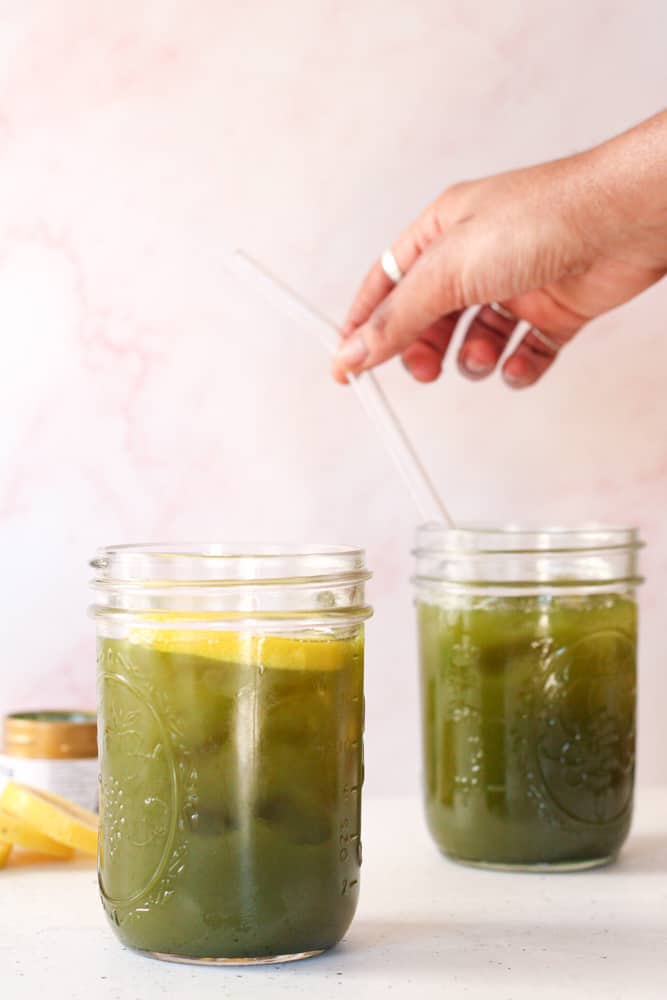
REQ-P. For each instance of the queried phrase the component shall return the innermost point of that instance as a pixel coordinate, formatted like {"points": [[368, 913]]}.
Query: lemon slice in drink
{"points": [[56, 819], [251, 649]]}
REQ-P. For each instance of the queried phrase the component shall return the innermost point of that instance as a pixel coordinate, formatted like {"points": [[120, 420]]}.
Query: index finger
{"points": [[376, 285], [430, 290]]}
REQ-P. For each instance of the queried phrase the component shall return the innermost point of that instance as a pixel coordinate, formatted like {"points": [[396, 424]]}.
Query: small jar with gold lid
{"points": [[53, 751]]}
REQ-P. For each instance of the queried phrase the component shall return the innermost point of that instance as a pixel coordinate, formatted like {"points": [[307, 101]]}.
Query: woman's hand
{"points": [[555, 245]]}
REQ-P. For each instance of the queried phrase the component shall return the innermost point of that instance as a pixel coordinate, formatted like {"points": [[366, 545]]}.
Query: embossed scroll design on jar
{"points": [[230, 699], [528, 644]]}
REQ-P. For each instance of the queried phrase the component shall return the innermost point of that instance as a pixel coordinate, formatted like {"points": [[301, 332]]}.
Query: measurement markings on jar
{"points": [[341, 746], [345, 839], [347, 745]]}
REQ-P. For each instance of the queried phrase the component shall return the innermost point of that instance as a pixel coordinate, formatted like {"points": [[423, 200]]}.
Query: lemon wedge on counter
{"points": [[5, 850], [16, 830], [53, 819]]}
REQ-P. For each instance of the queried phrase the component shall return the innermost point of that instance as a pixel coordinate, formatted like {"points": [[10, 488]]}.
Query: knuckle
{"points": [[453, 203], [379, 333], [457, 190]]}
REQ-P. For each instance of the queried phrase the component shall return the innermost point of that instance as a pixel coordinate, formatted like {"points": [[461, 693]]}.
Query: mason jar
{"points": [[230, 725], [528, 644]]}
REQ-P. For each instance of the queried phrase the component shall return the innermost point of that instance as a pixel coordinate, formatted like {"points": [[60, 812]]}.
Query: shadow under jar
{"points": [[528, 673], [230, 698]]}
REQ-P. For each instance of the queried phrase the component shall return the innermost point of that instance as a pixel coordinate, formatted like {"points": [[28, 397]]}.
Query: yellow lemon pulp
{"points": [[50, 817], [5, 850], [21, 832], [250, 648]]}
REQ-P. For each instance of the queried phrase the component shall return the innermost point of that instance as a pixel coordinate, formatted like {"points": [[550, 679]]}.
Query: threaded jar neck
{"points": [[228, 585], [518, 559]]}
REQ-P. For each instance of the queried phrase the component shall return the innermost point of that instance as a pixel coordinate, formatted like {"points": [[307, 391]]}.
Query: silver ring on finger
{"points": [[501, 311], [389, 265], [545, 340]]}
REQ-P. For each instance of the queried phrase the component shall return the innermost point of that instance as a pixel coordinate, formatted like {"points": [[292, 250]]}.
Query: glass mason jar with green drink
{"points": [[528, 672], [230, 727]]}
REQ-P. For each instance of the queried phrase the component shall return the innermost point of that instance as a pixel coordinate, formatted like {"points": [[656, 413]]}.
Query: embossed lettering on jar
{"points": [[528, 665], [231, 714]]}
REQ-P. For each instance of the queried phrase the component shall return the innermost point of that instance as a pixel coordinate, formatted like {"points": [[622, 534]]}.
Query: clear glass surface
{"points": [[231, 717], [528, 673]]}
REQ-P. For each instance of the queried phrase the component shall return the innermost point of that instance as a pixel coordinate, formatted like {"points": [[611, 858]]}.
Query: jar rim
{"points": [[230, 549], [226, 562], [488, 538], [225, 550]]}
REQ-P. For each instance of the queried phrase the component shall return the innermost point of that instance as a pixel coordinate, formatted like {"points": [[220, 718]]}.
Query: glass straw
{"points": [[365, 386]]}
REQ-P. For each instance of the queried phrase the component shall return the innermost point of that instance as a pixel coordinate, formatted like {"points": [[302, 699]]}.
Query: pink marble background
{"points": [[146, 396]]}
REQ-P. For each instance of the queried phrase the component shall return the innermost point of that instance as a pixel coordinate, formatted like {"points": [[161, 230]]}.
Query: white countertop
{"points": [[425, 928]]}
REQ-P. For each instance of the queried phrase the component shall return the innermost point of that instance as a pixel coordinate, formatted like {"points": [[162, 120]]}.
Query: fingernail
{"points": [[473, 366], [516, 381], [352, 353]]}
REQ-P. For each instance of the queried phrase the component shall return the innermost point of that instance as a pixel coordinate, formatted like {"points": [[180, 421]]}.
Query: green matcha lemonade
{"points": [[230, 725], [528, 674]]}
